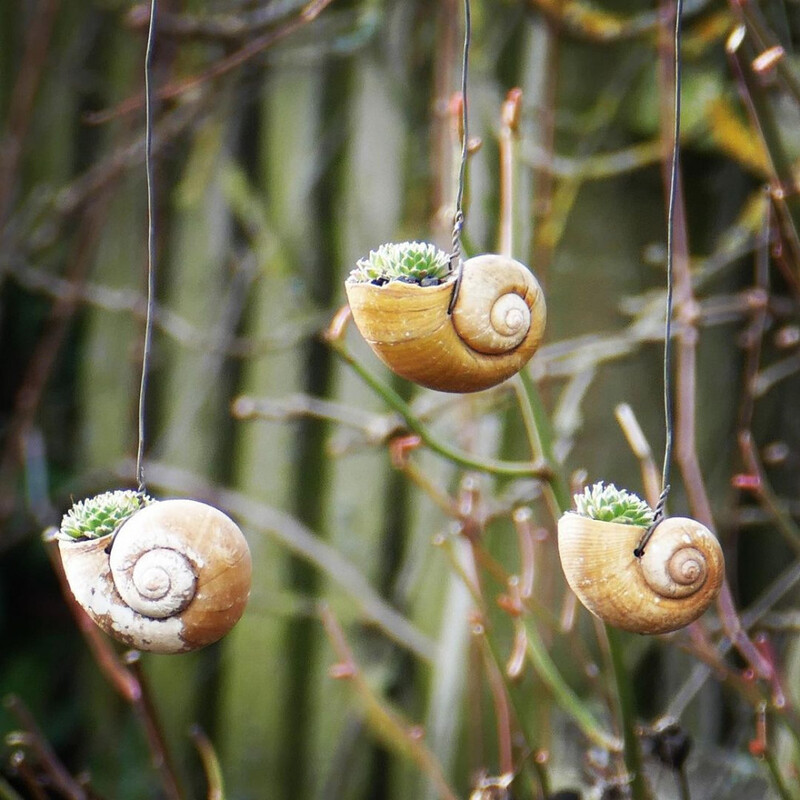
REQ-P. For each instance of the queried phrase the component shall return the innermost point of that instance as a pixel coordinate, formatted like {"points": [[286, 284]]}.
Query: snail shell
{"points": [[671, 585], [173, 578], [495, 327]]}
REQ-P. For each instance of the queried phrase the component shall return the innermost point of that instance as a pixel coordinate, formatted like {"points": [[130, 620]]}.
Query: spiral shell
{"points": [[495, 327], [175, 577], [671, 585]]}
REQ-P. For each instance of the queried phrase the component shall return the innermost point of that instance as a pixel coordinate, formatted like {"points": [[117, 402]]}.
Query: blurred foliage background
{"points": [[290, 139]]}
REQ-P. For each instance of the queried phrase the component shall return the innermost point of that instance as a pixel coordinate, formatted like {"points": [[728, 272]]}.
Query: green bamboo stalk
{"points": [[371, 534], [275, 211], [385, 722]]}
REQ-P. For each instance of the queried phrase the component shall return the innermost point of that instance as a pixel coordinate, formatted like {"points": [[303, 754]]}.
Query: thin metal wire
{"points": [[673, 191], [458, 220], [151, 243]]}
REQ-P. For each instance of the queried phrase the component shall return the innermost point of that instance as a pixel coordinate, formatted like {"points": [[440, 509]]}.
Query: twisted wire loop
{"points": [[151, 246], [455, 258], [458, 220], [658, 515]]}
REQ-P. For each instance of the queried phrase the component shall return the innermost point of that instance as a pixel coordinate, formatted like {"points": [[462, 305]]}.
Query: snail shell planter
{"points": [[400, 299], [668, 587], [164, 576]]}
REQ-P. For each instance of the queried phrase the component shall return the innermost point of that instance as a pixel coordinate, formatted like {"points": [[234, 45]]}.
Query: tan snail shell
{"points": [[174, 577], [496, 325], [671, 585]]}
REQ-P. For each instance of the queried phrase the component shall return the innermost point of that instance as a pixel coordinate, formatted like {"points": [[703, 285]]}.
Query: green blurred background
{"points": [[277, 169]]}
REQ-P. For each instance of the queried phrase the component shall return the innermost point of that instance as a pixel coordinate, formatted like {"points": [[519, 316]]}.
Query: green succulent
{"points": [[412, 261], [98, 516], [609, 504]]}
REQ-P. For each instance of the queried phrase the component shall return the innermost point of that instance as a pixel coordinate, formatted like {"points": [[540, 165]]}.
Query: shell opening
{"points": [[162, 583]]}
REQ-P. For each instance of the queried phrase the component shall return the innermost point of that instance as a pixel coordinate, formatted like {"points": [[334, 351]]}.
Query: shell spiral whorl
{"points": [[688, 566], [498, 303], [157, 583], [678, 560], [510, 316]]}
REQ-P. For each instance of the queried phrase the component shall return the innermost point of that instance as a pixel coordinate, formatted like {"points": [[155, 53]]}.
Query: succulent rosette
{"points": [[101, 515], [412, 262], [606, 503]]}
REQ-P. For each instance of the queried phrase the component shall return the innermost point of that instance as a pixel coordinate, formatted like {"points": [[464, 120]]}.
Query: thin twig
{"points": [[584, 20], [34, 230], [335, 339], [29, 72], [473, 528], [781, 586], [56, 771], [119, 676], [211, 766], [178, 328], [631, 752], [547, 671], [500, 701], [216, 27], [385, 722], [19, 763], [641, 449], [509, 138], [562, 359], [43, 360], [764, 493], [783, 188], [253, 48]]}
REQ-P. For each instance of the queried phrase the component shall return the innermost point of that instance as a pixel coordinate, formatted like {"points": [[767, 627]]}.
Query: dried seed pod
{"points": [[174, 576], [495, 326], [671, 585]]}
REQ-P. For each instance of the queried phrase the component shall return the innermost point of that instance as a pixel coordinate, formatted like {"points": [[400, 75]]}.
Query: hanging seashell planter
{"points": [[668, 587], [401, 298], [166, 576]]}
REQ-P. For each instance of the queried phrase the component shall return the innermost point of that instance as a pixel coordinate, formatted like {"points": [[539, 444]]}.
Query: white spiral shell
{"points": [[175, 576]]}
